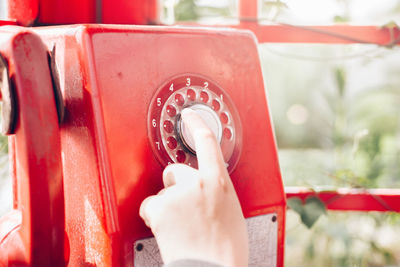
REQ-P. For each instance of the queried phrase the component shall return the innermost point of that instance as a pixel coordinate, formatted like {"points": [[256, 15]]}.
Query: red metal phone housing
{"points": [[108, 76]]}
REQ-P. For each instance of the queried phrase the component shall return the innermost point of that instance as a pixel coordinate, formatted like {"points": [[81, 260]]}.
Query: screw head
{"points": [[139, 247]]}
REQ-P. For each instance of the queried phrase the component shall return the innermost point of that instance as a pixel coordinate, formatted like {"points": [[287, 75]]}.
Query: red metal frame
{"points": [[65, 12], [23, 12], [45, 12], [33, 233], [352, 199], [336, 34], [27, 12], [129, 11]]}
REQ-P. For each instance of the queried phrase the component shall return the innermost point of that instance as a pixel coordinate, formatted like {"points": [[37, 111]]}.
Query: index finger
{"points": [[208, 151]]}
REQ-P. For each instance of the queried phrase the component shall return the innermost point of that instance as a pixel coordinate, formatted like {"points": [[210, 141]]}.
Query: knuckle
{"points": [[143, 207], [198, 184], [149, 210], [154, 225], [169, 168], [214, 174]]}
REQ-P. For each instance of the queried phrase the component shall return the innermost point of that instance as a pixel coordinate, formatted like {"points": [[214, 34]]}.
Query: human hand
{"points": [[198, 215]]}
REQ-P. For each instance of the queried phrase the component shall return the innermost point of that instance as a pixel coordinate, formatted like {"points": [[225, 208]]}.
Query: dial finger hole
{"points": [[191, 94], [227, 133], [180, 156], [216, 105], [171, 142], [168, 126], [224, 117], [171, 111], [204, 96], [179, 99]]}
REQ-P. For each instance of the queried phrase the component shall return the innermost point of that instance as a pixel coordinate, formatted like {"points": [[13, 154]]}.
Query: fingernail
{"points": [[169, 176]]}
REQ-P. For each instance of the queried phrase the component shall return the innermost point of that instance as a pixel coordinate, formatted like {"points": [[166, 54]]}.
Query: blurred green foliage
{"points": [[3, 140], [343, 239], [5, 178], [3, 144], [309, 211], [192, 10], [186, 10], [347, 135], [352, 140]]}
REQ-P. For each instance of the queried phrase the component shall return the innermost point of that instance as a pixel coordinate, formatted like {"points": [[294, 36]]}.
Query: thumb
{"points": [[178, 174]]}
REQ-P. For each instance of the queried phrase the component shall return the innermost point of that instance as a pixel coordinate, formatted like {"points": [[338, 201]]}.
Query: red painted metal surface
{"points": [[24, 12], [248, 9], [335, 34], [347, 199], [33, 233], [55, 12], [66, 11], [140, 12], [330, 34], [109, 75], [7, 22]]}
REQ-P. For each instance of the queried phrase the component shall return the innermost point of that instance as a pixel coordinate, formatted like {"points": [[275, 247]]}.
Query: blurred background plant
{"points": [[336, 113], [5, 179], [337, 125]]}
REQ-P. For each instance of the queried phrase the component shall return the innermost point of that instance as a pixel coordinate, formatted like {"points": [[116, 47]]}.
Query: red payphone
{"points": [[123, 88]]}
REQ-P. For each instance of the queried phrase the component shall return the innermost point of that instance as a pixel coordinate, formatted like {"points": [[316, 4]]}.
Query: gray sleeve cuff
{"points": [[191, 263]]}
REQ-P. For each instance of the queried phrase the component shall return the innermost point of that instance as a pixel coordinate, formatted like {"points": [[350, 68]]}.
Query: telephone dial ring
{"points": [[168, 137]]}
